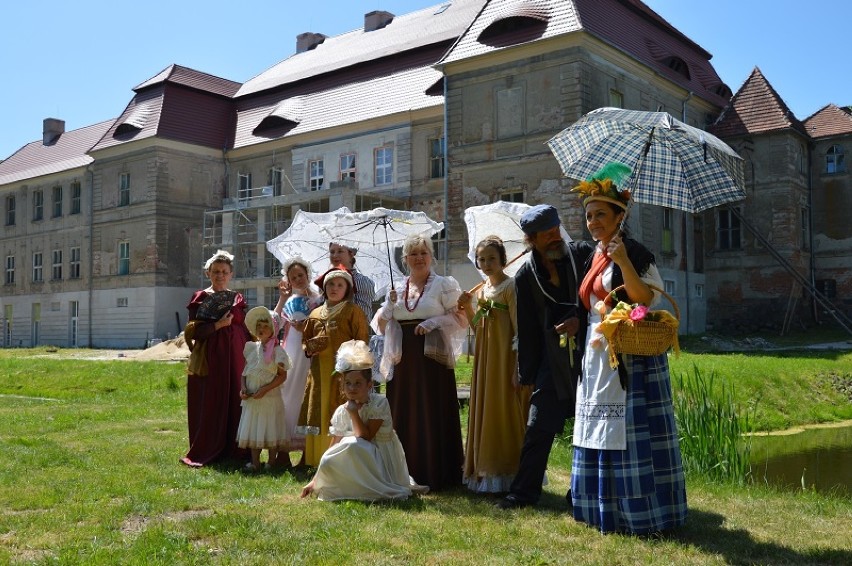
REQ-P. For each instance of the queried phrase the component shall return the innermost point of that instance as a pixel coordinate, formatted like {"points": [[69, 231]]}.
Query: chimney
{"points": [[52, 129], [377, 19], [308, 40]]}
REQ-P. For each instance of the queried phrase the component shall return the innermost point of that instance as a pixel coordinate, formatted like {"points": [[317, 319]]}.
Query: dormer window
{"points": [[519, 23], [677, 65]]}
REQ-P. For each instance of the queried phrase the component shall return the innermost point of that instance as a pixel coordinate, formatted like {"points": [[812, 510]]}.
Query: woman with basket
{"points": [[627, 474]]}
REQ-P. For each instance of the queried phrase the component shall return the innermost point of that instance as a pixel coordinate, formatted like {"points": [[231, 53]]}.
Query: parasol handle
{"points": [[479, 285]]}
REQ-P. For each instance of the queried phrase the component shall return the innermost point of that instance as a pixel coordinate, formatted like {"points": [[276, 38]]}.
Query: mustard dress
{"points": [[498, 412]]}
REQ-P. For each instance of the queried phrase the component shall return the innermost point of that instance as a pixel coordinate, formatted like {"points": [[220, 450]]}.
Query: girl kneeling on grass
{"points": [[262, 423], [365, 461]]}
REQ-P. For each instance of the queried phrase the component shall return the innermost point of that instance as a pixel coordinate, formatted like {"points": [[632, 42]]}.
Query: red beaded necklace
{"points": [[420, 296]]}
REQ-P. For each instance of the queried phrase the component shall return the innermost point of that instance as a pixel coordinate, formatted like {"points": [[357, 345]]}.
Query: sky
{"points": [[79, 61]]}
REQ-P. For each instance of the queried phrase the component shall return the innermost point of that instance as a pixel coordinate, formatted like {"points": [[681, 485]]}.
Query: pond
{"points": [[818, 458]]}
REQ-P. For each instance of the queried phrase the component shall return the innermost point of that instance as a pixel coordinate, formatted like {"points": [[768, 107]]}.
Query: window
{"points": [[276, 181], [806, 236], [76, 193], [124, 258], [244, 186], [384, 165], [315, 174], [10, 210], [37, 268], [616, 99], [10, 270], [124, 189], [38, 205], [668, 232], [57, 202], [512, 196], [669, 286], [828, 287], [57, 265], [728, 232], [436, 158], [121, 302], [510, 112], [834, 162], [321, 205], [699, 290], [74, 264], [347, 166]]}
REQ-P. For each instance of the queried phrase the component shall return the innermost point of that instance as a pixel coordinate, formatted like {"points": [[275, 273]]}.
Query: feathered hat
{"points": [[603, 185], [353, 355]]}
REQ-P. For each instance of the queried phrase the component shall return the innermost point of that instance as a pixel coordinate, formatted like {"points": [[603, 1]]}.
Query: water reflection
{"points": [[816, 458]]}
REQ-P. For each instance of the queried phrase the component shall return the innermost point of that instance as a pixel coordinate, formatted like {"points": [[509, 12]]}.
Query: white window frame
{"points": [[38, 267], [436, 158], [10, 270], [74, 263], [38, 205], [10, 210], [616, 98], [834, 160], [76, 198], [670, 286], [56, 195], [276, 179], [56, 273], [124, 189], [383, 160], [243, 186], [348, 166], [123, 267], [316, 174]]}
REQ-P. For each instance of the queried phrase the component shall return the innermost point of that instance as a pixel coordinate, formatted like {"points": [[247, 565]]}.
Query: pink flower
{"points": [[638, 312]]}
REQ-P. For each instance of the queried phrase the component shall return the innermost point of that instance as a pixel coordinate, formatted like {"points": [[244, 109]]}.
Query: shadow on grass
{"points": [[737, 546]]}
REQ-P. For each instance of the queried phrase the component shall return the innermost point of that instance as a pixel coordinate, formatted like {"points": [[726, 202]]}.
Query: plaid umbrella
{"points": [[674, 165]]}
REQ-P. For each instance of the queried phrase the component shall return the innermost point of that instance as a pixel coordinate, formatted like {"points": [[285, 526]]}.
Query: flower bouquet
{"points": [[634, 329]]}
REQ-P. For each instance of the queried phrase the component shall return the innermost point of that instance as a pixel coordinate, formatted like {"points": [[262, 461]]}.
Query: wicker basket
{"points": [[645, 337]]}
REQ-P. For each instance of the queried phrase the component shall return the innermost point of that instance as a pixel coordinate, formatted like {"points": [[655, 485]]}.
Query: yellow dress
{"points": [[498, 412], [322, 389]]}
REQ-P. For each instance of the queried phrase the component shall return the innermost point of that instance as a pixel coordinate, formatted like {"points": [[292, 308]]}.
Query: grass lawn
{"points": [[90, 475]]}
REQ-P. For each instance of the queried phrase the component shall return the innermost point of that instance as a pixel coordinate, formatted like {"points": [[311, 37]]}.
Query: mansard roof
{"points": [[180, 104], [440, 24], [755, 108], [830, 120], [68, 151], [628, 25]]}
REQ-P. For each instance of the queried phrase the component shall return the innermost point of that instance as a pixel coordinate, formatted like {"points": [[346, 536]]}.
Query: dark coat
{"points": [[541, 360]]}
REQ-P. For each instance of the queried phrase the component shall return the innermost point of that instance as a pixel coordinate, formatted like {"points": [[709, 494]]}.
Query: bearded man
{"points": [[551, 325]]}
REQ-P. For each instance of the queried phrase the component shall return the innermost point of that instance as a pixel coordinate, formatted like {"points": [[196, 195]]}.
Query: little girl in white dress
{"points": [[262, 423], [365, 461]]}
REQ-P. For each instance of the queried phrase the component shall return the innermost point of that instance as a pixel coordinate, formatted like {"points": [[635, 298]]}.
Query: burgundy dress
{"points": [[213, 401]]}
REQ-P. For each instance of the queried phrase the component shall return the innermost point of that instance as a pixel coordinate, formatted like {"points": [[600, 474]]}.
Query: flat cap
{"points": [[539, 218]]}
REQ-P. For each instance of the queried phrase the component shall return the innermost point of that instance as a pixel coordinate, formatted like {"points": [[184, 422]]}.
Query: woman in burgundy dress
{"points": [[216, 334]]}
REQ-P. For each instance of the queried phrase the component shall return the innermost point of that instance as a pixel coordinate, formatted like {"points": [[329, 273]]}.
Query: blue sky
{"points": [[78, 61]]}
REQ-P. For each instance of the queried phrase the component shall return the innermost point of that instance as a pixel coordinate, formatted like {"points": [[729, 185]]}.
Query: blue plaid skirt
{"points": [[641, 489]]}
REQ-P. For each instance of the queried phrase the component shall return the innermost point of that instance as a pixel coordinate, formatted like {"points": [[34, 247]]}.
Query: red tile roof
{"points": [[69, 151], [425, 27], [831, 120], [179, 104], [185, 76], [755, 108], [627, 25]]}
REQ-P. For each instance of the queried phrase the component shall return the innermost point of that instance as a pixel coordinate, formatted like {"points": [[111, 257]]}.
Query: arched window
{"points": [[834, 162]]}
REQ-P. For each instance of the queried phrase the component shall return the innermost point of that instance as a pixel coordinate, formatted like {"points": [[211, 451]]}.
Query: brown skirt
{"points": [[425, 408]]}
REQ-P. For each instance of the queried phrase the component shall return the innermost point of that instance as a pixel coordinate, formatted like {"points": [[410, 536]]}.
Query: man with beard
{"points": [[550, 326]]}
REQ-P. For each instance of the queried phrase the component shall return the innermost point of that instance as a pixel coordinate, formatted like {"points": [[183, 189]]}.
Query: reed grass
{"points": [[712, 428]]}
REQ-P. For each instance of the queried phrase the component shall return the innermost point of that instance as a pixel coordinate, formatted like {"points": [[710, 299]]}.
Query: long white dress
{"points": [[293, 390], [262, 422], [356, 468]]}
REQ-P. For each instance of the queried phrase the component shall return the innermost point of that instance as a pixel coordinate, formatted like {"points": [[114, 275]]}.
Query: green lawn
{"points": [[90, 475]]}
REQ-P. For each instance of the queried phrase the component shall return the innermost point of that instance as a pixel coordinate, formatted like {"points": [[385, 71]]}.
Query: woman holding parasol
{"points": [[626, 474]]}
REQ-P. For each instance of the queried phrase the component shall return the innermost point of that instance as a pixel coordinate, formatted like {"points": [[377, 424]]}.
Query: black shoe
{"points": [[511, 502], [569, 500]]}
